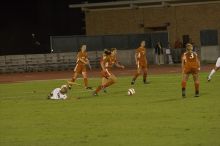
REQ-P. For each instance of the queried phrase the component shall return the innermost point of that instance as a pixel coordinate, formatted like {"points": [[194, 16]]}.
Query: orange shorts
{"points": [[142, 66], [191, 70], [80, 68]]}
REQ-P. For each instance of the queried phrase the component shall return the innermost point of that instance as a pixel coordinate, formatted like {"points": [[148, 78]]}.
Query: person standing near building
{"points": [[141, 62], [159, 59]]}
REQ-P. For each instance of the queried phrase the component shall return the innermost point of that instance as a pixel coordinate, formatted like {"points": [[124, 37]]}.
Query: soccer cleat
{"points": [[49, 96], [208, 79], [146, 82], [197, 94], [104, 90], [89, 88], [95, 94], [132, 82], [69, 87], [183, 93]]}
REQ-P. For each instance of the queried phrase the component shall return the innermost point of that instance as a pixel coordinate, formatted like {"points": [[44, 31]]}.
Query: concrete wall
{"points": [[183, 20], [210, 53], [61, 61], [66, 61]]}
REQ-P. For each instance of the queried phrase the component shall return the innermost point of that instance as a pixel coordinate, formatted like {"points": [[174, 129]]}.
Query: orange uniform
{"points": [[141, 57], [190, 63], [81, 66], [108, 63]]}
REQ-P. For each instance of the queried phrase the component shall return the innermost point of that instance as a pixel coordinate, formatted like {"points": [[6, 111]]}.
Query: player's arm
{"points": [[89, 65], [88, 62], [85, 61], [102, 65], [145, 55], [136, 57], [117, 64], [183, 62], [81, 59], [198, 61]]}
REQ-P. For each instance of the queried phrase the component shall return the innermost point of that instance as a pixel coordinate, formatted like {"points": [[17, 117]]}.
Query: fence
{"points": [[36, 62], [98, 43], [65, 61]]}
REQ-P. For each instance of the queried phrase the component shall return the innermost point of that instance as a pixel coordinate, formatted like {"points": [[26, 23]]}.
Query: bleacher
{"points": [[40, 62]]}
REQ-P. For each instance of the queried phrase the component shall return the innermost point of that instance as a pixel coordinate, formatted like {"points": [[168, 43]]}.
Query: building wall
{"points": [[183, 20]]}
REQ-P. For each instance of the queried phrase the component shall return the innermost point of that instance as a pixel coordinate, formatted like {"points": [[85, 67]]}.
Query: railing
{"points": [[66, 61]]}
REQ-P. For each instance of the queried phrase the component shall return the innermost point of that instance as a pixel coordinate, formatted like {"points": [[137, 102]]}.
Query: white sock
{"points": [[211, 73]]}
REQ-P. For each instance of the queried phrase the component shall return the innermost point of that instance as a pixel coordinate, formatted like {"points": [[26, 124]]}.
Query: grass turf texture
{"points": [[156, 115]]}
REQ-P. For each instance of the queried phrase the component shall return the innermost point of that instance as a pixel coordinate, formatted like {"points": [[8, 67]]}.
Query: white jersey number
{"points": [[191, 56]]}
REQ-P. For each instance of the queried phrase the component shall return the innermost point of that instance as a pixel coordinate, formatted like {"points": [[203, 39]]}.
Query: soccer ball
{"points": [[131, 91]]}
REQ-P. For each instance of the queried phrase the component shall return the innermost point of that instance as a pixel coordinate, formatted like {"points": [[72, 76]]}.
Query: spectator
{"points": [[178, 44], [159, 54], [169, 59], [35, 42]]}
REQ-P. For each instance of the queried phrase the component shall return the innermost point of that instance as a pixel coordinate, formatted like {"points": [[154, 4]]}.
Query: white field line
{"points": [[65, 79], [81, 79], [42, 92], [76, 90]]}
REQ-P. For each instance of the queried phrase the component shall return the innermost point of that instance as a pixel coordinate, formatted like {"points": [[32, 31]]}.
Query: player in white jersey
{"points": [[217, 66], [59, 93]]}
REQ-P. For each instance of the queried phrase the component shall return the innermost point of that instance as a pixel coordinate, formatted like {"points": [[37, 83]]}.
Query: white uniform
{"points": [[218, 62], [56, 94]]}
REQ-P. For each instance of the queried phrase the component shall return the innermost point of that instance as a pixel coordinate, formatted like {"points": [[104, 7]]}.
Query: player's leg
{"points": [[217, 66], [85, 78], [77, 70], [212, 72], [183, 84], [73, 79], [196, 84], [111, 80], [144, 69], [50, 95], [138, 72], [104, 81]]}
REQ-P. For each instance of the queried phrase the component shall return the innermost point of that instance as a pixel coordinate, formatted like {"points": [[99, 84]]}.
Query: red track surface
{"points": [[153, 69]]}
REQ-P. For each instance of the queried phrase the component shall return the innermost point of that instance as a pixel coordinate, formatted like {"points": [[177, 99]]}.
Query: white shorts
{"points": [[218, 62]]}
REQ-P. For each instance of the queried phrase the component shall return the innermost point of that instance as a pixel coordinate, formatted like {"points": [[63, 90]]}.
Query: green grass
{"points": [[155, 116]]}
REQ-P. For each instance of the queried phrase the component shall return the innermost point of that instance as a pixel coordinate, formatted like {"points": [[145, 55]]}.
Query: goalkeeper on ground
{"points": [[59, 93]]}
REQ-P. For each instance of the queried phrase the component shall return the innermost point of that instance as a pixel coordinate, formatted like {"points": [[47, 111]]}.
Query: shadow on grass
{"points": [[166, 100]]}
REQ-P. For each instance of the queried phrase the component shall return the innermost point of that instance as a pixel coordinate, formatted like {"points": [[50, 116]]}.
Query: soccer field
{"points": [[155, 116]]}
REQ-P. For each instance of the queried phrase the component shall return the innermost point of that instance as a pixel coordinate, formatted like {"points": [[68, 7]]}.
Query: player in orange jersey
{"points": [[190, 65], [107, 61], [80, 68], [114, 60], [141, 62]]}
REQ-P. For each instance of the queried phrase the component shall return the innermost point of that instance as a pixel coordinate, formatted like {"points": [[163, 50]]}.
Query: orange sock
{"points": [[183, 84], [104, 86], [135, 76], [144, 77], [86, 82], [98, 89], [108, 84], [197, 86]]}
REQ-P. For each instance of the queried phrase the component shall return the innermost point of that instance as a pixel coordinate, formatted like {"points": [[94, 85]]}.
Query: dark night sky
{"points": [[21, 18]]}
